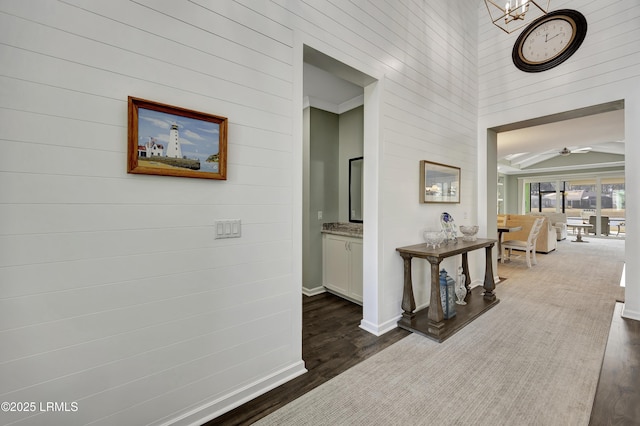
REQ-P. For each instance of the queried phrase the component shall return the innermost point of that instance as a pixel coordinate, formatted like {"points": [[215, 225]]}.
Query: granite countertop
{"points": [[346, 229]]}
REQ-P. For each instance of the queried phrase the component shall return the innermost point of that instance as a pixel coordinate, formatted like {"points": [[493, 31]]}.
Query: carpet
{"points": [[533, 359]]}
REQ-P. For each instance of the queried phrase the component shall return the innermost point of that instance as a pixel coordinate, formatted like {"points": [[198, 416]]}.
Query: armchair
{"points": [[558, 222]]}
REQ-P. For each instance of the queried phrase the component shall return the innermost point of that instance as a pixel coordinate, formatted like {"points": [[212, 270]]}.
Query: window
{"points": [[580, 198], [543, 196]]}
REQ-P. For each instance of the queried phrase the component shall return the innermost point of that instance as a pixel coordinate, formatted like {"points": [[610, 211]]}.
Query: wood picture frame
{"points": [[173, 141], [439, 183]]}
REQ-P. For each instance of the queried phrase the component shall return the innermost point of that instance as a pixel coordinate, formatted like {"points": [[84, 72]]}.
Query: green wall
{"points": [[351, 146], [330, 140]]}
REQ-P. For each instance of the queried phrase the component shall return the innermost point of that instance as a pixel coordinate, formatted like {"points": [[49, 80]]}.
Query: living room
{"points": [[584, 187]]}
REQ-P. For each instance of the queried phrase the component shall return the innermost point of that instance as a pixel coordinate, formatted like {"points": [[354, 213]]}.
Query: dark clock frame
{"points": [[575, 18]]}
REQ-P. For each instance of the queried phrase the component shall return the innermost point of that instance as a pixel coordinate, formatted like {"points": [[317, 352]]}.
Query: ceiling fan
{"points": [[566, 151]]}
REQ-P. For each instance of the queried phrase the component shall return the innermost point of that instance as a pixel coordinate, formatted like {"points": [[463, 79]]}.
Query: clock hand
{"points": [[546, 39]]}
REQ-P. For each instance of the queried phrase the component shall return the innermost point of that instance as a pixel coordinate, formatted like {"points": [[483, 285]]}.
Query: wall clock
{"points": [[549, 40]]}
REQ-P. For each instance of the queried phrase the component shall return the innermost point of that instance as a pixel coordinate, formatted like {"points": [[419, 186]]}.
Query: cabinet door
{"points": [[336, 264], [355, 247]]}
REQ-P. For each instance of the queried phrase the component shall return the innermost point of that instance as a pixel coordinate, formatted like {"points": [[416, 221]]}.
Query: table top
{"points": [[445, 250]]}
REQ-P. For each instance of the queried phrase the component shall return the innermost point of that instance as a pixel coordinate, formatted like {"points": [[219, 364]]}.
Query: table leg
{"points": [[408, 301], [435, 314], [489, 284], [465, 272], [579, 237]]}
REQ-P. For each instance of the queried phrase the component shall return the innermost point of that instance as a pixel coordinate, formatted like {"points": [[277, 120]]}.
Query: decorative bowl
{"points": [[433, 238], [469, 232]]}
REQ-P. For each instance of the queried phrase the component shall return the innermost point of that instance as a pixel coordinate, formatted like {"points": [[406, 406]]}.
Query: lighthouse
{"points": [[173, 147]]}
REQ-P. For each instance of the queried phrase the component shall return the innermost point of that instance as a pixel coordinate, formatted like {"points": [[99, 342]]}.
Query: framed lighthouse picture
{"points": [[173, 141]]}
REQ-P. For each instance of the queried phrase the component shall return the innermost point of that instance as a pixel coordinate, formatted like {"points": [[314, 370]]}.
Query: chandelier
{"points": [[515, 14]]}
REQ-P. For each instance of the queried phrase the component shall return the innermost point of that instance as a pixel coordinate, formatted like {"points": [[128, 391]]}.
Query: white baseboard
{"points": [[379, 329], [212, 409], [313, 291], [478, 283], [628, 313]]}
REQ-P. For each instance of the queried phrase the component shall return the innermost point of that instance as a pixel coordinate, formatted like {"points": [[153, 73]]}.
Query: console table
{"points": [[430, 321]]}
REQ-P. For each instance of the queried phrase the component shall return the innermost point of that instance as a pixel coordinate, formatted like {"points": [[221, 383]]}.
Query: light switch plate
{"points": [[228, 228]]}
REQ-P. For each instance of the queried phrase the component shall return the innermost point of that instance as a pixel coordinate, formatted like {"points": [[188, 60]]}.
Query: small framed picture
{"points": [[172, 141], [439, 183]]}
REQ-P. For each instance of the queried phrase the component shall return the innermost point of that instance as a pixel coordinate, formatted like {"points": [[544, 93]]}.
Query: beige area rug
{"points": [[534, 359]]}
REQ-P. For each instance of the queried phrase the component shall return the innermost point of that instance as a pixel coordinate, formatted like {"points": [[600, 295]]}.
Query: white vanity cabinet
{"points": [[342, 265]]}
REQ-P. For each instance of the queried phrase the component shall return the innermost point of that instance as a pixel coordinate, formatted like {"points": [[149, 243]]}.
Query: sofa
{"points": [[546, 242], [558, 222]]}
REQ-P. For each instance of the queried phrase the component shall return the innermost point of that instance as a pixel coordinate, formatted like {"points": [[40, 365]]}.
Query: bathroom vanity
{"points": [[342, 260]]}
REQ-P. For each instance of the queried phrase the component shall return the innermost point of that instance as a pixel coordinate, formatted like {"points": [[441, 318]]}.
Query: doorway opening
{"points": [[335, 93], [584, 181]]}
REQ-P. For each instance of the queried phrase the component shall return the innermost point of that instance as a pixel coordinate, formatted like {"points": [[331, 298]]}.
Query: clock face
{"points": [[549, 40]]}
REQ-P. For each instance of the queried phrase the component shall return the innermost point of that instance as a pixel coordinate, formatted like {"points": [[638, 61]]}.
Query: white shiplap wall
{"points": [[113, 291], [608, 55], [606, 68], [429, 114]]}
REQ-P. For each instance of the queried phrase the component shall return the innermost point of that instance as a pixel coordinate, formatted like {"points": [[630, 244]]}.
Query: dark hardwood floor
{"points": [[332, 342], [617, 400]]}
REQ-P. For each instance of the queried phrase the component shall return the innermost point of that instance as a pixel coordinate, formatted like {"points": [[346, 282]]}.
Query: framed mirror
{"points": [[439, 183], [355, 189]]}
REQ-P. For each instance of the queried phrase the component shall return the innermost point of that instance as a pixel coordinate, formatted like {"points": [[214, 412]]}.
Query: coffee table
{"points": [[580, 227]]}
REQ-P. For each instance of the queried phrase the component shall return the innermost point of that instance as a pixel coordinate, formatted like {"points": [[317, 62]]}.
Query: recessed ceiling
{"points": [[330, 84], [599, 133], [328, 92]]}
